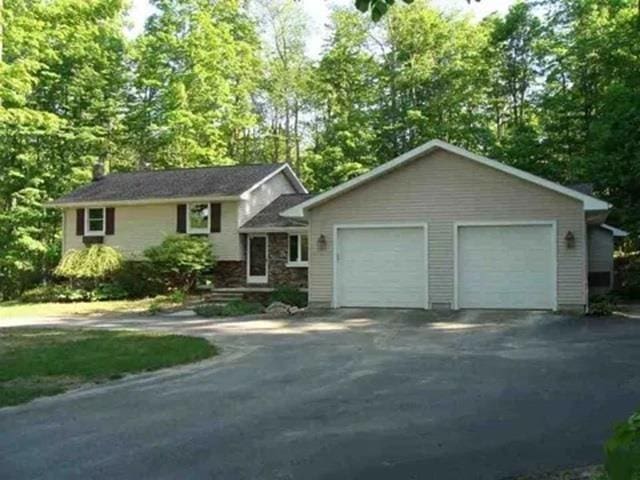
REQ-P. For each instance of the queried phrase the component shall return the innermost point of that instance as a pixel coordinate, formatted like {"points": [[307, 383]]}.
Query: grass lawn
{"points": [[36, 362], [17, 309]]}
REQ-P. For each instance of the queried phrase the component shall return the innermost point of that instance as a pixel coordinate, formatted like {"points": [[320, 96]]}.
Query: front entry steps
{"points": [[229, 294]]}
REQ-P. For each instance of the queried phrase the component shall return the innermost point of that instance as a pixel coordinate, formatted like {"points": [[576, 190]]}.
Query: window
{"points": [[198, 218], [298, 250], [94, 218]]}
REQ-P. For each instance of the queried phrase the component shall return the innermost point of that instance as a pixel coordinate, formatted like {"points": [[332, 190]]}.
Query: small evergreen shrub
{"points": [[622, 451], [601, 306], [180, 259], [290, 296], [94, 263], [630, 278], [109, 291], [236, 308], [139, 279]]}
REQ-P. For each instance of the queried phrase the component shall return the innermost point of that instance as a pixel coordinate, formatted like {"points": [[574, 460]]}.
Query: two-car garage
{"points": [[440, 227], [496, 265]]}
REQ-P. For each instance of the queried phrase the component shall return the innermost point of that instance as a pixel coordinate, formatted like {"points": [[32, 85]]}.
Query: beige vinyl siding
{"points": [[441, 189], [142, 226], [263, 196], [600, 250]]}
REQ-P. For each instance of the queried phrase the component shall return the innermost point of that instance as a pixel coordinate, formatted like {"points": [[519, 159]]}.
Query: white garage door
{"points": [[506, 267], [381, 267]]}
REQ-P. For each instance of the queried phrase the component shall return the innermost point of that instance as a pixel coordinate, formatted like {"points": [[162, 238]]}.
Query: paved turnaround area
{"points": [[353, 394]]}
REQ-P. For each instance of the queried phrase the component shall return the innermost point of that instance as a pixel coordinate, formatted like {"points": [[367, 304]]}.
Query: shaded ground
{"points": [[358, 394]]}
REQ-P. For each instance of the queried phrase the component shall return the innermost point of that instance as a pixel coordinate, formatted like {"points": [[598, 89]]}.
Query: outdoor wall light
{"points": [[570, 239], [322, 243]]}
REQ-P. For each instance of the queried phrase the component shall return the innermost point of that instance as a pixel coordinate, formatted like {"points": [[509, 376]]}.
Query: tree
{"points": [[196, 67], [283, 99], [61, 88]]}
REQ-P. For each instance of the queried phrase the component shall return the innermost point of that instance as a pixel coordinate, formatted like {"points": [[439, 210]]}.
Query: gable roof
{"points": [[590, 203], [154, 186], [617, 232], [269, 217]]}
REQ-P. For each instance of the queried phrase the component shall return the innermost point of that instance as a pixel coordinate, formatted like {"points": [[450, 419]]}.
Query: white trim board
{"points": [[617, 232], [95, 233], [146, 201], [304, 229], [346, 226], [554, 251], [590, 203], [263, 279]]}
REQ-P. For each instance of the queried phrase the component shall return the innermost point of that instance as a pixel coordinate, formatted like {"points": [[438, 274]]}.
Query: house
{"points": [[437, 227], [234, 206]]}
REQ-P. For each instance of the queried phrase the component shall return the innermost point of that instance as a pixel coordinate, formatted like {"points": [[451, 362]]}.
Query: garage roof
{"points": [[590, 203]]}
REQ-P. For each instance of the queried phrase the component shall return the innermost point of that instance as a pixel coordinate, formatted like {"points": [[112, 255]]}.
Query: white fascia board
{"points": [[146, 201], [299, 229], [590, 203], [617, 232], [287, 170]]}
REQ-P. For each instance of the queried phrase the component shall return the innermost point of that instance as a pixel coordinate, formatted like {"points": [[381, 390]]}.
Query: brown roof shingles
{"points": [[218, 181]]}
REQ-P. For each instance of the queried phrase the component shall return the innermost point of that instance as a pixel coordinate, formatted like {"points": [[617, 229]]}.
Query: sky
{"points": [[318, 13]]}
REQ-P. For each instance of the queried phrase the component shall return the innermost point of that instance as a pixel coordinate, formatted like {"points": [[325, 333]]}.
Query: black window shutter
{"points": [[216, 217], [182, 219], [110, 227], [80, 221]]}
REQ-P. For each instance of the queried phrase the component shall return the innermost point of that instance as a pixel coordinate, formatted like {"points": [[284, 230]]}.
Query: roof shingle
{"points": [[179, 183]]}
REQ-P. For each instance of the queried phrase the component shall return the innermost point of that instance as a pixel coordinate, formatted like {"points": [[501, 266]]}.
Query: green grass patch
{"points": [[235, 308], [37, 362]]}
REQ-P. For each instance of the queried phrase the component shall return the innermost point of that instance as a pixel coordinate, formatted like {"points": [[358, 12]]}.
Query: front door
{"points": [[257, 259]]}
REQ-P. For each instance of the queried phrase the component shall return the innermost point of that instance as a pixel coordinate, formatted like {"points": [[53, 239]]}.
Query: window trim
{"points": [[198, 231], [298, 262], [95, 233]]}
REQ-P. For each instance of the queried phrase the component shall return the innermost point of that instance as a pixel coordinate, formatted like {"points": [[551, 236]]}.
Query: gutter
{"points": [[145, 201]]}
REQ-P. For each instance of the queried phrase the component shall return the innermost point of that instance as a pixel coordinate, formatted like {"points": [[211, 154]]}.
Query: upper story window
{"points": [[298, 250], [198, 218], [94, 221]]}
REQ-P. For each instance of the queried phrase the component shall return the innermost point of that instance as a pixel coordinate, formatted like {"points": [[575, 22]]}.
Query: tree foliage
{"points": [[551, 87], [96, 262]]}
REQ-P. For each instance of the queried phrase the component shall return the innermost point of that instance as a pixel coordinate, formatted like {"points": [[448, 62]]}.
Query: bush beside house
{"points": [[180, 259], [99, 272]]}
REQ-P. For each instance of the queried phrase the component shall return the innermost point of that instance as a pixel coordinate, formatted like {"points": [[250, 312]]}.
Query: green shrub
{"points": [[601, 306], [109, 291], [139, 279], [235, 308], [94, 263], [290, 296], [55, 293], [622, 451], [180, 259], [629, 273]]}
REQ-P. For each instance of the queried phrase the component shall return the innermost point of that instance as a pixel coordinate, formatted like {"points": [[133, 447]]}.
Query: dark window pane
{"points": [[304, 248], [293, 248]]}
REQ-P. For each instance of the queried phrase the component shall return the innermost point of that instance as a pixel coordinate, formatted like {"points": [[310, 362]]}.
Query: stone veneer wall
{"points": [[228, 274], [234, 274], [279, 273]]}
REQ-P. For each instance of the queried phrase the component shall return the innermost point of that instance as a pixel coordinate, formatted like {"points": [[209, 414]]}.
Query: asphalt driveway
{"points": [[349, 395]]}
